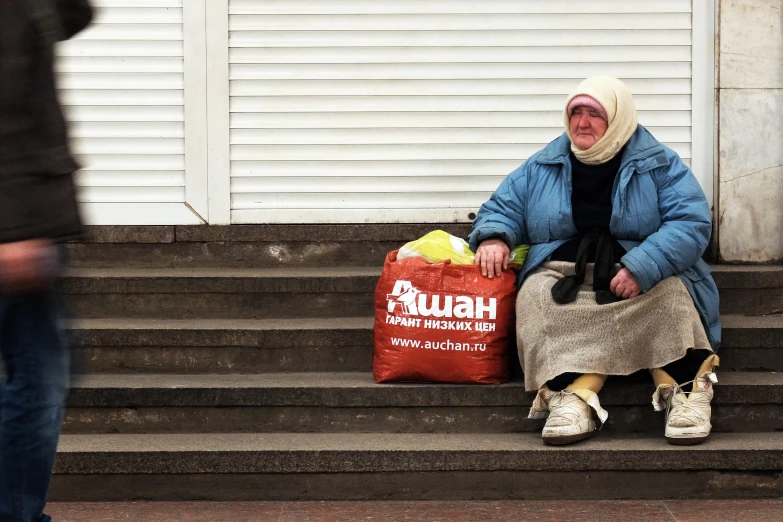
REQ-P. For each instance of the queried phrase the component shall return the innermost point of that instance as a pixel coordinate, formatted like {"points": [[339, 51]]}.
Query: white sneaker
{"points": [[570, 418], [687, 416]]}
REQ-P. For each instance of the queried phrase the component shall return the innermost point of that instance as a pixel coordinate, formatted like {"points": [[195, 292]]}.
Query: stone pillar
{"points": [[750, 211]]}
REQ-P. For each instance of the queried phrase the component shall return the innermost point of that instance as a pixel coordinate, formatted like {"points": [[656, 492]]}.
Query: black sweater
{"points": [[37, 194], [591, 201]]}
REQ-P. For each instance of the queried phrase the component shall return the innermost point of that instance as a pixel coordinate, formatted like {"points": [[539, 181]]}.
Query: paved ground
{"points": [[512, 511]]}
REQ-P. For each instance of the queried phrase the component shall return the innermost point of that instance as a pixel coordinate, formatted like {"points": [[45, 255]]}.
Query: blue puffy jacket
{"points": [[660, 215]]}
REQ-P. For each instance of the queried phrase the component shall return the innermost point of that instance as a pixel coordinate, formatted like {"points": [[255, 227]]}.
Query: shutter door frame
{"points": [[218, 112], [196, 100], [192, 208], [704, 144]]}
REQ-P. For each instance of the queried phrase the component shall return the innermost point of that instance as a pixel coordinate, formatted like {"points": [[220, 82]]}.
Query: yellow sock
{"points": [[708, 365], [587, 385], [661, 377]]}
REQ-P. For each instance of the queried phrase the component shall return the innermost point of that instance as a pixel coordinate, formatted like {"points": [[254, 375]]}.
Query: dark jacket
{"points": [[37, 195]]}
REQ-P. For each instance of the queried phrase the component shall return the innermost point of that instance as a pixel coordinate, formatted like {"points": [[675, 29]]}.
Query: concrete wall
{"points": [[750, 97]]}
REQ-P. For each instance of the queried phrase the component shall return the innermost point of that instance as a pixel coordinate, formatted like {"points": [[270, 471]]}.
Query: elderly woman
{"points": [[614, 281]]}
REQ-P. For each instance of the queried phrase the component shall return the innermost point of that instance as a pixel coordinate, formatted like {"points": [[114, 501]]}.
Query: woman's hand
{"points": [[492, 257], [624, 285]]}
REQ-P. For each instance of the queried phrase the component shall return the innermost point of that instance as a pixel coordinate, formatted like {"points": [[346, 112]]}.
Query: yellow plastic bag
{"points": [[438, 246], [518, 255]]}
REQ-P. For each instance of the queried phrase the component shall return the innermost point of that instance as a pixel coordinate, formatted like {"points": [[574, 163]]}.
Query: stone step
{"points": [[750, 290], [372, 466], [220, 293], [246, 246], [313, 344], [752, 343], [221, 345], [310, 292], [353, 402]]}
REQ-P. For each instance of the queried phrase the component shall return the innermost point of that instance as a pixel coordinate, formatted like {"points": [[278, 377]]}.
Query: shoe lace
{"points": [[699, 399], [561, 405]]}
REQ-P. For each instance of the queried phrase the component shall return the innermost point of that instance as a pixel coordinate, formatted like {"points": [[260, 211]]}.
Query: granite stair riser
{"points": [[484, 419], [231, 255], [768, 277], [214, 296], [220, 305], [183, 462], [228, 305], [243, 359], [225, 348], [356, 279], [750, 290], [224, 334], [447, 485], [256, 285], [751, 359], [168, 246], [101, 235], [352, 402], [304, 296], [220, 360], [262, 246], [588, 458], [756, 301], [278, 304], [435, 466], [359, 391]]}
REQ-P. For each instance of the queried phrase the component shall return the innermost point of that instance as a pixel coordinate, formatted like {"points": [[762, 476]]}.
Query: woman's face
{"points": [[586, 126]]}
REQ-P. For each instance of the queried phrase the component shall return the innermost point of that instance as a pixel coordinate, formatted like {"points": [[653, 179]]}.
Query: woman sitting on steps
{"points": [[614, 281]]}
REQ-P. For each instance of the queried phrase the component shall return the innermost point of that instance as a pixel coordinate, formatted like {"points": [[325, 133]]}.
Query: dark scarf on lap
{"points": [[591, 201], [566, 289]]}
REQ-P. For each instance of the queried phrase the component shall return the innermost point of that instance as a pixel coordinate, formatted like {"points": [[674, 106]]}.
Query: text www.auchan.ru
{"points": [[442, 345]]}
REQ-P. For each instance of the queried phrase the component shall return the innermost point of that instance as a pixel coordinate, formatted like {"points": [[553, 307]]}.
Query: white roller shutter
{"points": [[122, 83], [415, 110]]}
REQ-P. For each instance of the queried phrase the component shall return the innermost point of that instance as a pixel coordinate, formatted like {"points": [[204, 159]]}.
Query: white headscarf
{"points": [[615, 98]]}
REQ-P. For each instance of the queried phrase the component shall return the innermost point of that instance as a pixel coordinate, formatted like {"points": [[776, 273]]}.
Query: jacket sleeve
{"points": [[685, 231], [75, 16], [503, 215]]}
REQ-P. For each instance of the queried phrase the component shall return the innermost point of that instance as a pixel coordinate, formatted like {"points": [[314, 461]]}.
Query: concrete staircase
{"points": [[234, 363]]}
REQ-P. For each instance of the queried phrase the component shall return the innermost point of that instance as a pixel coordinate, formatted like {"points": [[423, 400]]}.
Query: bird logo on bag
{"points": [[403, 293]]}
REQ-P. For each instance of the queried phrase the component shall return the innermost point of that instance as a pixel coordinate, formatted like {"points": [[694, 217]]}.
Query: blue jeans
{"points": [[32, 401]]}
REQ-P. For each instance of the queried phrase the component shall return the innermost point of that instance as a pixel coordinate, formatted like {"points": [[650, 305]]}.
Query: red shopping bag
{"points": [[439, 322]]}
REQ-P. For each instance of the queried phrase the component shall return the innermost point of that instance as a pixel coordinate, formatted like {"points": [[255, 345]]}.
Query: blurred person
{"points": [[37, 211], [614, 282]]}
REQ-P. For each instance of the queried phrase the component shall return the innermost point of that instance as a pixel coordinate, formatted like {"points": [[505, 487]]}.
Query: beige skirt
{"points": [[648, 331]]}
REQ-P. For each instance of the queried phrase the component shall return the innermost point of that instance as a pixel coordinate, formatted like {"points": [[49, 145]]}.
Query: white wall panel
{"points": [[462, 55], [453, 87], [392, 136], [431, 120], [498, 38], [354, 7], [446, 20], [122, 84], [531, 103], [415, 110], [654, 71]]}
